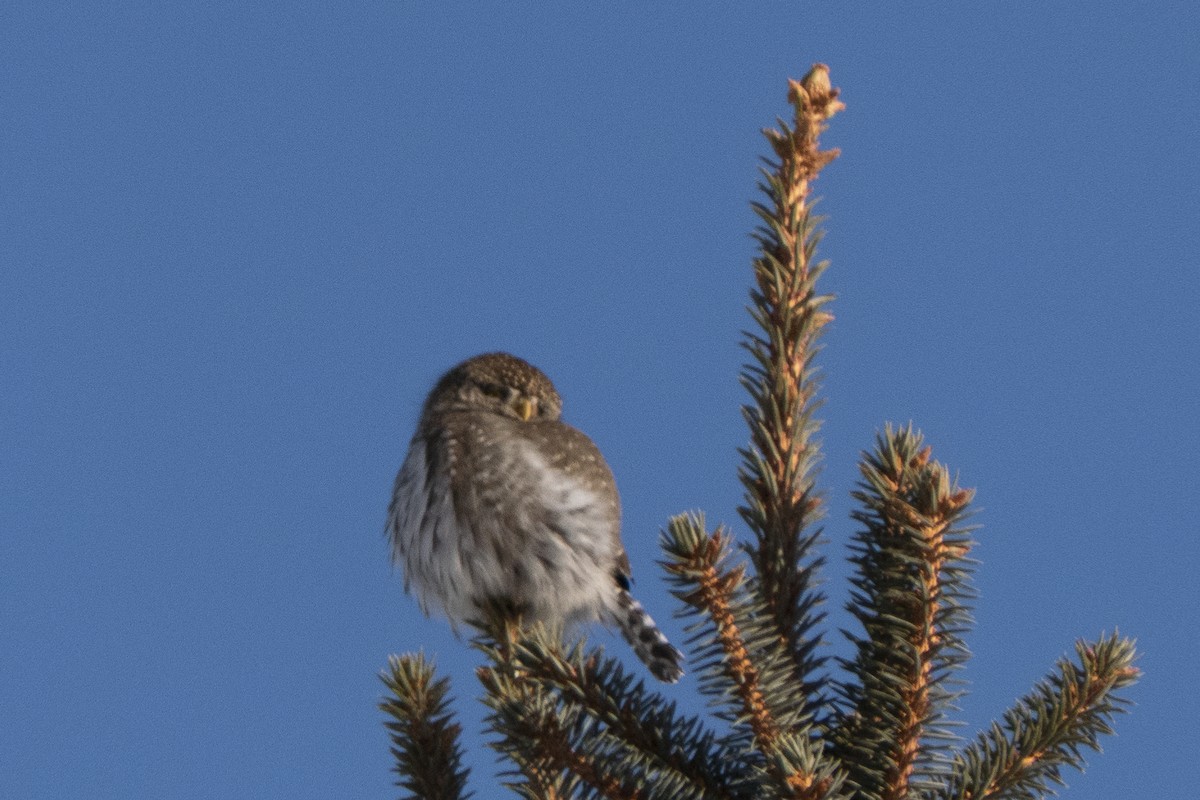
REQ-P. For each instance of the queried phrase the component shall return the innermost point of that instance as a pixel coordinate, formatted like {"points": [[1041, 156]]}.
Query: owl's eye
{"points": [[495, 390]]}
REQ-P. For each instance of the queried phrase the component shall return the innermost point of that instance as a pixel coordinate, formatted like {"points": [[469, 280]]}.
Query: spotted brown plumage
{"points": [[500, 503]]}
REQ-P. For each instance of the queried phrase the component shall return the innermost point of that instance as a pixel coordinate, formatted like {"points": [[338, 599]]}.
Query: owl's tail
{"points": [[647, 641]]}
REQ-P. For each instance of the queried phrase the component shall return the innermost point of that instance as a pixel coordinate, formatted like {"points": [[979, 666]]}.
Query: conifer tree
{"points": [[572, 722]]}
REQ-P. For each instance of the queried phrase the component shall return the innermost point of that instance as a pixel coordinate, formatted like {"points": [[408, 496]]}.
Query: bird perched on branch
{"points": [[500, 503]]}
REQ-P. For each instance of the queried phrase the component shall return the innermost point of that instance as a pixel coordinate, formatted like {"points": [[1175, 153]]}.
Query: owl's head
{"points": [[500, 383]]}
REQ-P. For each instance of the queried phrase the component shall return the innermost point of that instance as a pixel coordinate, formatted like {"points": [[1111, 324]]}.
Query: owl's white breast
{"points": [[547, 541], [424, 535]]}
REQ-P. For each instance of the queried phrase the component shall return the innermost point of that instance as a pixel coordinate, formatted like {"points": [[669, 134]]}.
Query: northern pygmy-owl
{"points": [[500, 502]]}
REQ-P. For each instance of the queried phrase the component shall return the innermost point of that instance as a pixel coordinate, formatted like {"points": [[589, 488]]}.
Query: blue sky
{"points": [[237, 245]]}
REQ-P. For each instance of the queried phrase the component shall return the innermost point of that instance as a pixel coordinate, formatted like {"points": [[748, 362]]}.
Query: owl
{"points": [[500, 503]]}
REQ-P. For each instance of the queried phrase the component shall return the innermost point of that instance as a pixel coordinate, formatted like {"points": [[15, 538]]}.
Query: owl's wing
{"points": [[577, 488]]}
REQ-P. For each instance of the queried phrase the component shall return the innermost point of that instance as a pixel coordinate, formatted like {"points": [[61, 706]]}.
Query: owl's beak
{"points": [[525, 407]]}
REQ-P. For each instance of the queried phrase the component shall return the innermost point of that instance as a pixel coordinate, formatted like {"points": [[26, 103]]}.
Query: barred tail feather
{"points": [[647, 641]]}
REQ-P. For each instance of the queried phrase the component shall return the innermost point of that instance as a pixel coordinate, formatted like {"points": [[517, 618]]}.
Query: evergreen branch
{"points": [[910, 596], [679, 753], [732, 665], [1048, 728], [543, 742], [779, 466], [560, 748], [424, 739], [715, 590], [531, 732]]}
